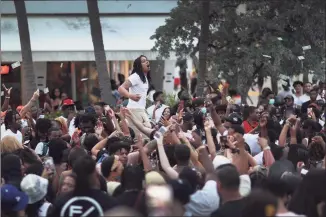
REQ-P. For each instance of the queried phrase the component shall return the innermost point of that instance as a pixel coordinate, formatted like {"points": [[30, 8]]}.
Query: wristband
{"points": [[267, 148], [7, 97]]}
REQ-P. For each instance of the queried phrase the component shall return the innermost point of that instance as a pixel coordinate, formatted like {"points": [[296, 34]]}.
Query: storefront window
{"points": [[59, 76], [11, 78], [87, 84]]}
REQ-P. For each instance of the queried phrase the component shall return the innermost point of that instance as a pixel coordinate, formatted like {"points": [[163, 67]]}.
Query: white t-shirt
{"points": [[138, 87], [288, 214], [158, 112], [299, 100], [17, 135], [252, 141], [39, 149]]}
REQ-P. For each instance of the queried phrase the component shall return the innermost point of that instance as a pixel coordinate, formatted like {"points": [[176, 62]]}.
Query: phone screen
{"points": [[49, 164], [159, 200], [162, 130], [223, 139]]}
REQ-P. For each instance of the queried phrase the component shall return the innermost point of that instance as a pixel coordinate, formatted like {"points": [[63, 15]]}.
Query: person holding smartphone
{"points": [[135, 89]]}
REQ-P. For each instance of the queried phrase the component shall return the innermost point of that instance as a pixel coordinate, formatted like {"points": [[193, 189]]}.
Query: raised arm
{"points": [[164, 159], [30, 104], [7, 93]]}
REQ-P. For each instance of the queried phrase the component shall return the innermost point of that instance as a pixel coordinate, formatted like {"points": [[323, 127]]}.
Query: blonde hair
{"points": [[64, 127], [10, 144]]}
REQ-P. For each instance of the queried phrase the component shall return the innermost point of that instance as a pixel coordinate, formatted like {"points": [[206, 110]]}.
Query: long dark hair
{"points": [[137, 68]]}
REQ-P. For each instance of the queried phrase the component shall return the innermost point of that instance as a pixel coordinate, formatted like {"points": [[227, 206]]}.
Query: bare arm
{"points": [[30, 104], [217, 120], [164, 159], [145, 130], [204, 159], [210, 142], [123, 89]]}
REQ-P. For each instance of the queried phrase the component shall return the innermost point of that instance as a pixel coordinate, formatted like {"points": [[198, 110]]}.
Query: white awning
{"points": [[69, 38]]}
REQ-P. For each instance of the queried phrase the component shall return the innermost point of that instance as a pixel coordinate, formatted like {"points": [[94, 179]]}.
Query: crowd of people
{"points": [[205, 156]]}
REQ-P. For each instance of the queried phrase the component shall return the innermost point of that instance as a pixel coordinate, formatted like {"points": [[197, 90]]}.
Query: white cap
{"points": [[111, 186], [245, 185], [220, 160], [35, 187]]}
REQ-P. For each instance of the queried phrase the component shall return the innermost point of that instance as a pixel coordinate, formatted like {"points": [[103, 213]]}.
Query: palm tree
{"points": [[28, 78], [100, 58], [203, 46]]}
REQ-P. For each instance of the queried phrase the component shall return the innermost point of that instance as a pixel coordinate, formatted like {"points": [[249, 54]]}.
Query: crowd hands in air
{"points": [[207, 156]]}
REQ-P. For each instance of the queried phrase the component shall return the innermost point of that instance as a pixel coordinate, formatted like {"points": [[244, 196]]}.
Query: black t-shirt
{"points": [[230, 209], [134, 200], [94, 202]]}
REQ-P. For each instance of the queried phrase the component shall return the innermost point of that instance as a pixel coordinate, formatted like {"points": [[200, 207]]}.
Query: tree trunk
{"points": [[28, 78], [182, 63], [100, 58], [274, 85], [203, 46], [305, 76]]}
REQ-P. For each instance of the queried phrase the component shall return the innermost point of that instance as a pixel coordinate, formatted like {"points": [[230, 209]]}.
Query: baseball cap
{"points": [[234, 118], [288, 97], [12, 199], [278, 168], [197, 102], [35, 187], [154, 178], [238, 129], [220, 160], [187, 116], [68, 102]]}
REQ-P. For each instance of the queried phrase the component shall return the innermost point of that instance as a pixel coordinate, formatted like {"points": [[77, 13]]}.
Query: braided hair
{"points": [[137, 68]]}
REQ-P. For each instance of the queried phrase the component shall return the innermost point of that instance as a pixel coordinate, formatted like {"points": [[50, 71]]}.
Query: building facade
{"points": [[62, 46]]}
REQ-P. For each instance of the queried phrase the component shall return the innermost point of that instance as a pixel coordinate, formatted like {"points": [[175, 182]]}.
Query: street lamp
{"points": [[301, 58]]}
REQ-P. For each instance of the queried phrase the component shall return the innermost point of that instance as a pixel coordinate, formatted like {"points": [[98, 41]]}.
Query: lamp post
{"points": [[305, 73]]}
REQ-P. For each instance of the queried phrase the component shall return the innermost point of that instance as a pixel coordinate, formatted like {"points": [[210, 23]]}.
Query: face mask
{"points": [[203, 110], [271, 101]]}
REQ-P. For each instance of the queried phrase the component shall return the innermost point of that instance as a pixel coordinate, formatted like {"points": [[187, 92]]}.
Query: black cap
{"points": [[234, 118], [187, 116], [238, 129], [278, 168]]}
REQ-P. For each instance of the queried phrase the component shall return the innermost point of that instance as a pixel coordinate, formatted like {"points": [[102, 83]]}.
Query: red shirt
{"points": [[249, 126]]}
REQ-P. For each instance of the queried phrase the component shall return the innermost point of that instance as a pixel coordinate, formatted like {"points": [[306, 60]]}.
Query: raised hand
{"points": [[7, 91]]}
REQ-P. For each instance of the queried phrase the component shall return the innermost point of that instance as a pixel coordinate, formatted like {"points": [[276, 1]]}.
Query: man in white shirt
{"points": [[298, 97], [12, 123], [135, 89], [158, 107]]}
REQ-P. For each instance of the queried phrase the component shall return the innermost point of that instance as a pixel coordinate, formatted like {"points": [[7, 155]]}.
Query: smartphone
{"points": [[41, 116], [49, 164], [223, 139], [309, 111], [162, 130], [159, 200]]}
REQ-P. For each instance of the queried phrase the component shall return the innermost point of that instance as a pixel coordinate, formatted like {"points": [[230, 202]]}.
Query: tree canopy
{"points": [[249, 39]]}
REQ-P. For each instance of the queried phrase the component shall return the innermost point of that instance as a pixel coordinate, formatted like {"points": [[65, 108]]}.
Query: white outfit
{"points": [[158, 112], [252, 141], [299, 100], [138, 87], [8, 132], [205, 201], [288, 214], [39, 149]]}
